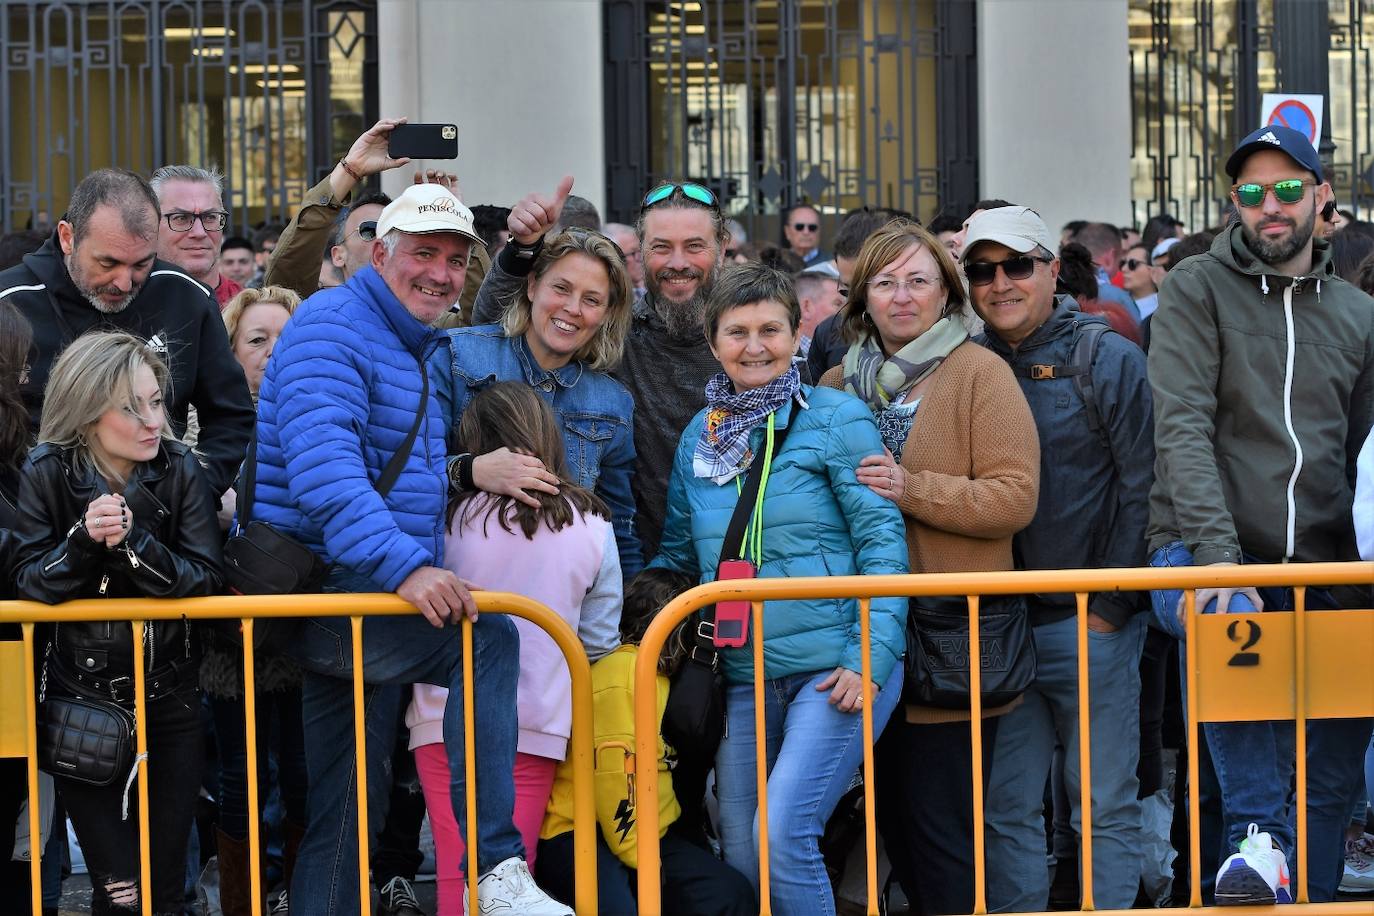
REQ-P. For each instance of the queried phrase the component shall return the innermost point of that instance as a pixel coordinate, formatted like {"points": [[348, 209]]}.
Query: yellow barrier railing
{"points": [[1344, 641], [18, 737]]}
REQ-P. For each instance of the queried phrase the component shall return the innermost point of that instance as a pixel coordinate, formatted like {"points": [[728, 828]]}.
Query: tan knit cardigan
{"points": [[972, 460]]}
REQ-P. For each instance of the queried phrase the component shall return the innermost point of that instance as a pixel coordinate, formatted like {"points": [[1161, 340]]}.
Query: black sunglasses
{"points": [[1132, 264], [367, 230], [981, 273], [806, 227]]}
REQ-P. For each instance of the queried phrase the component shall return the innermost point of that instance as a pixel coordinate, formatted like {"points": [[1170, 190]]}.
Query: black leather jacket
{"points": [[173, 550]]}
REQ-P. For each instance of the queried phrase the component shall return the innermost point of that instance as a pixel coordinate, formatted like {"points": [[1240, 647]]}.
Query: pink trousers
{"points": [[533, 783]]}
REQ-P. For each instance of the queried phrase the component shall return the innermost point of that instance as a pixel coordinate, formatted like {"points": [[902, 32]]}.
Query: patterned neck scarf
{"points": [[878, 379], [723, 452]]}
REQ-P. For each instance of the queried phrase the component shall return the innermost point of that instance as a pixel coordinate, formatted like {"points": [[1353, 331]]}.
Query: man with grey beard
{"points": [[99, 271], [667, 360]]}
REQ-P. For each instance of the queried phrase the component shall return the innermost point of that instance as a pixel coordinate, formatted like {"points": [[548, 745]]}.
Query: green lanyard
{"points": [[753, 533]]}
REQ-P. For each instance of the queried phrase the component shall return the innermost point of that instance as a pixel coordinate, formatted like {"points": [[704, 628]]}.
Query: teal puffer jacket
{"points": [[818, 521]]}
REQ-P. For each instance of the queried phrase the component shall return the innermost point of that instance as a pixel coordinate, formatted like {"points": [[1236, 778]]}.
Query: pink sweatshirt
{"points": [[576, 573]]}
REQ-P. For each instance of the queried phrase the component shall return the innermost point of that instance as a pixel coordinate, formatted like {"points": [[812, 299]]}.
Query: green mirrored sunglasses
{"points": [[699, 193], [1289, 191]]}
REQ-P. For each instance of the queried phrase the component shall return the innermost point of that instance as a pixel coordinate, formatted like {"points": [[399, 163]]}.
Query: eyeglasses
{"points": [[883, 288], [699, 193], [1132, 264], [367, 230], [981, 273], [1289, 191], [806, 227], [211, 220]]}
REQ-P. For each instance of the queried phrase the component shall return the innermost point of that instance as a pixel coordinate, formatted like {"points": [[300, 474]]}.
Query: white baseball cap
{"points": [[425, 208], [1019, 228]]}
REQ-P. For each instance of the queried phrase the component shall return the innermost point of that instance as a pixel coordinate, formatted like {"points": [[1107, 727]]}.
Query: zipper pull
{"points": [[133, 557], [104, 583]]}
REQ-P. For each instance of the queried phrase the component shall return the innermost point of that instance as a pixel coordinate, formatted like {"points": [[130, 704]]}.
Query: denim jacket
{"points": [[595, 411]]}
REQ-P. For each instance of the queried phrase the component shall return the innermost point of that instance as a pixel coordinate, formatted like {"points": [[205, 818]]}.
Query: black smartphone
{"points": [[423, 141]]}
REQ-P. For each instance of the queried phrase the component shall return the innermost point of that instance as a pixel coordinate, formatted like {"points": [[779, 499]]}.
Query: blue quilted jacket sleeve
{"points": [[322, 411]]}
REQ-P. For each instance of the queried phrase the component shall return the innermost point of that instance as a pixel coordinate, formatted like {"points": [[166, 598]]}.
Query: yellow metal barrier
{"points": [[1310, 651], [18, 737]]}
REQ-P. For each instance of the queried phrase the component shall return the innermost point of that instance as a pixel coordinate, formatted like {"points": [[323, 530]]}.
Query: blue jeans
{"points": [[1254, 761], [1017, 875], [398, 651], [814, 750]]}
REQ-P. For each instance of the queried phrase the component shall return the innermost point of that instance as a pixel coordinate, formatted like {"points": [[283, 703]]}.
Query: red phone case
{"points": [[732, 617]]}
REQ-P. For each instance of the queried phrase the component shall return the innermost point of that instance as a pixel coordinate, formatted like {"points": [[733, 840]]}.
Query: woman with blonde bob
{"points": [[562, 333], [254, 319], [962, 463], [110, 506]]}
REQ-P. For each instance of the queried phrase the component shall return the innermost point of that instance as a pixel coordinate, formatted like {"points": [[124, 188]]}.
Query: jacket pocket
{"points": [[586, 437], [90, 661]]}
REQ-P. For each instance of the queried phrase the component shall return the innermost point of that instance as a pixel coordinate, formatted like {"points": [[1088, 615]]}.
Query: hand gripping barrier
{"points": [[17, 714], [1314, 666]]}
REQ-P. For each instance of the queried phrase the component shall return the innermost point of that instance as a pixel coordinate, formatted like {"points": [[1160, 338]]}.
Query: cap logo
{"points": [[1269, 137], [442, 205]]}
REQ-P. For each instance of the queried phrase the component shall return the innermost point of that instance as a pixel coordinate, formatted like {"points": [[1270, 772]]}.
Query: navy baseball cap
{"points": [[1294, 144]]}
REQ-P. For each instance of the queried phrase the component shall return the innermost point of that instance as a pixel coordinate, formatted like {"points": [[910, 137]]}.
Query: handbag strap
{"points": [[393, 468], [734, 533], [390, 473]]}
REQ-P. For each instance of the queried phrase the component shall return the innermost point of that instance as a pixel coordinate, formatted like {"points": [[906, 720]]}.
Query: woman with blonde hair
{"points": [[561, 335], [962, 463], [111, 506]]}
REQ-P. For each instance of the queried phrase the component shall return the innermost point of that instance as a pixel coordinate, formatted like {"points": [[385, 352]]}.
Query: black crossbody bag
{"points": [[694, 716], [260, 560]]}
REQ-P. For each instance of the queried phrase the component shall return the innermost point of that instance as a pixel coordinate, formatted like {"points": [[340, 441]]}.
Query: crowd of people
{"points": [[429, 399]]}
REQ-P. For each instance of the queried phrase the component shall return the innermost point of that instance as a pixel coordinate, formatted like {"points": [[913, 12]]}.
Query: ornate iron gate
{"points": [[838, 103], [269, 91], [1199, 69]]}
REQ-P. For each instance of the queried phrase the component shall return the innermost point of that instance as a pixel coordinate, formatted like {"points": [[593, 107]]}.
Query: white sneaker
{"points": [[1358, 877], [509, 890], [1256, 875]]}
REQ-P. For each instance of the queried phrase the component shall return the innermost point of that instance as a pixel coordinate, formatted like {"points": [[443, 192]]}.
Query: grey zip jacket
{"points": [[1263, 393]]}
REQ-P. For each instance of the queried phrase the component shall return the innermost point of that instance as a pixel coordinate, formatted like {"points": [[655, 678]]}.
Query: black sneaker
{"points": [[280, 906], [397, 898]]}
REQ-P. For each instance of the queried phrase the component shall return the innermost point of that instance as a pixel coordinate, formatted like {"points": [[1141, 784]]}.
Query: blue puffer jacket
{"points": [[818, 521], [338, 398]]}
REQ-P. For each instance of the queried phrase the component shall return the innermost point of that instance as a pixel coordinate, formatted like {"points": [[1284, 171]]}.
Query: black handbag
{"points": [[937, 651], [260, 560], [88, 740], [694, 716]]}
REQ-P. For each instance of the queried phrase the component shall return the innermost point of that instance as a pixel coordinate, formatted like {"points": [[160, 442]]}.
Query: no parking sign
{"points": [[1303, 113]]}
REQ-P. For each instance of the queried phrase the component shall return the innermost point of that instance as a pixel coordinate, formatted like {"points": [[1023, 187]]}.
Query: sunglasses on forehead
{"points": [[981, 273], [1289, 191], [690, 190]]}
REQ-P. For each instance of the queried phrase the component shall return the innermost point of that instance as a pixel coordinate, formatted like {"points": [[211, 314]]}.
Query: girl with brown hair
{"points": [[561, 551]]}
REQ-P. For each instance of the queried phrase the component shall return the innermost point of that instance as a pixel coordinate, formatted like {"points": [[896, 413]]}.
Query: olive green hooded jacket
{"points": [[1263, 394]]}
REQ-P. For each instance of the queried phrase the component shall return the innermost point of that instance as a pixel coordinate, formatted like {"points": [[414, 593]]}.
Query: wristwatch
{"points": [[526, 252], [460, 473]]}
